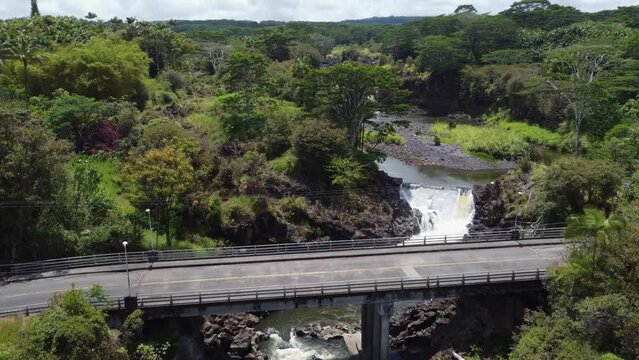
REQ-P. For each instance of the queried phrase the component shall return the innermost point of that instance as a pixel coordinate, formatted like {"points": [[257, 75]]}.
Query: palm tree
{"points": [[22, 47], [593, 225]]}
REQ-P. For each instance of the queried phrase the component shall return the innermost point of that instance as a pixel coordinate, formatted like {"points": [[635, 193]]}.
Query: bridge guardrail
{"points": [[293, 292], [266, 250]]}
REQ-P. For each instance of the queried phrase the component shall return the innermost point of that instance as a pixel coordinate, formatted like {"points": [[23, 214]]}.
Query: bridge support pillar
{"points": [[375, 331]]}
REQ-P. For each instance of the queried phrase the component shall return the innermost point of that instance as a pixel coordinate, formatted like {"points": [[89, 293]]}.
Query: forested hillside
{"points": [[197, 134]]}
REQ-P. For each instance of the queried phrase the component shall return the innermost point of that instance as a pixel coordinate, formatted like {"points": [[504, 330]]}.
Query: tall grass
{"points": [[110, 171], [10, 332], [533, 134], [488, 142]]}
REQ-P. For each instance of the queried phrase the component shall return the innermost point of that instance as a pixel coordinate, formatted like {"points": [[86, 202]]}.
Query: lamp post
{"points": [[126, 260], [518, 209], [148, 211]]}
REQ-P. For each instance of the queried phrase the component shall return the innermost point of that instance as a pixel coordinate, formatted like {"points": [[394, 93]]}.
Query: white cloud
{"points": [[315, 10]]}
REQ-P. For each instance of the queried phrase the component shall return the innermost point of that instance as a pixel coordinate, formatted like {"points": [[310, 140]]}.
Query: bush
{"points": [[101, 69], [238, 213], [346, 172], [284, 164], [177, 80], [315, 143], [293, 209]]}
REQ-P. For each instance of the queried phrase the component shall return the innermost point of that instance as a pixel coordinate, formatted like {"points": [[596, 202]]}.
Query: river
{"points": [[443, 196]]}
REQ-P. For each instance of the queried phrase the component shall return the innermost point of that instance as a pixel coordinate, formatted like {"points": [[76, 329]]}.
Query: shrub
{"points": [[314, 143], [238, 213], [284, 164], [346, 172], [176, 80], [293, 209]]}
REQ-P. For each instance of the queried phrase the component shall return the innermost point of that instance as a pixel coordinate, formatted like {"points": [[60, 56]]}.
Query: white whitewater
{"points": [[277, 348], [445, 211]]}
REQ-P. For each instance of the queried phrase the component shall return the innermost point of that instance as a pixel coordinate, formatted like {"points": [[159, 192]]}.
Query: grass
{"points": [[372, 137], [110, 172], [149, 242], [488, 141], [10, 332], [533, 134], [284, 164]]}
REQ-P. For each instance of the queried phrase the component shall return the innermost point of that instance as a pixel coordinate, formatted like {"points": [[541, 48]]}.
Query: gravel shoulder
{"points": [[419, 150]]}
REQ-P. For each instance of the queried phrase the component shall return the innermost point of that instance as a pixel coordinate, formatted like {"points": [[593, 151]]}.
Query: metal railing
{"points": [[326, 289], [270, 250]]}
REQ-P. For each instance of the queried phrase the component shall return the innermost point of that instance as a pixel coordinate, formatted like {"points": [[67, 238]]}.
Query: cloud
{"points": [[317, 10]]}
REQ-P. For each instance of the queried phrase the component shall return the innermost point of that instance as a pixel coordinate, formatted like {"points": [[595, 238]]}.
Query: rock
{"points": [[232, 334], [316, 331], [458, 323]]}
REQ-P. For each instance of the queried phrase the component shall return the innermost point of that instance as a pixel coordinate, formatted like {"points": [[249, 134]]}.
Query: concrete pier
{"points": [[375, 331]]}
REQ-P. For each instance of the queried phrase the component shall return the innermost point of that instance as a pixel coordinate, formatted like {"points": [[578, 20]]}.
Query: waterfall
{"points": [[444, 210]]}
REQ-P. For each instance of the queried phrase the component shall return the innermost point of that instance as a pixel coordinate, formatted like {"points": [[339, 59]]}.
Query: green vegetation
{"points": [[496, 142], [242, 133]]}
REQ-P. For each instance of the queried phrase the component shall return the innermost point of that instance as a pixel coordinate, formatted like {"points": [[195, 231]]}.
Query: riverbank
{"points": [[421, 150]]}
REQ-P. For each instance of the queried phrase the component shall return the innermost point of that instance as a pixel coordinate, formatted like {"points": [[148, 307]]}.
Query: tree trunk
{"points": [[167, 211], [26, 80], [579, 115]]}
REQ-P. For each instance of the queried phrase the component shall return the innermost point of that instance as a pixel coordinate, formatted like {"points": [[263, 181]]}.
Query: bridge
{"points": [[372, 273]]}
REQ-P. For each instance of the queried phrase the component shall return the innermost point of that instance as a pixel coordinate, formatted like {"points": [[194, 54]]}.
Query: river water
{"points": [[443, 196]]}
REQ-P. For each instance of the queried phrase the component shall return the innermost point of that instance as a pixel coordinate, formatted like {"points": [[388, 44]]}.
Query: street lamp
{"points": [[148, 211], [126, 260], [518, 209]]}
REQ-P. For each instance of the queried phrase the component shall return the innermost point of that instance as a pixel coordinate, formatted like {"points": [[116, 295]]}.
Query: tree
{"points": [[22, 46], [217, 55], [314, 144], [441, 54], [72, 116], [542, 14], [346, 172], [71, 329], [101, 69], [593, 226], [34, 8], [161, 177], [32, 170], [571, 184], [246, 74], [324, 44], [465, 9], [274, 42], [573, 72], [348, 94], [489, 33]]}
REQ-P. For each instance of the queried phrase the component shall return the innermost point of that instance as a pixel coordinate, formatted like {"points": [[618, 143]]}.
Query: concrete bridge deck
{"points": [[293, 270]]}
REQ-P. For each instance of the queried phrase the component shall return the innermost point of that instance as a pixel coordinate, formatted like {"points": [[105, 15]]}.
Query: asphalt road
{"points": [[342, 267]]}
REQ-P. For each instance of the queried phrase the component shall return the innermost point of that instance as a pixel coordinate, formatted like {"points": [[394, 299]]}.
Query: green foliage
{"points": [[238, 213], [31, 169], [344, 94], [71, 116], [101, 69], [71, 329], [160, 133], [293, 209], [346, 172], [570, 184], [160, 177], [245, 74], [376, 137], [152, 352], [486, 34], [441, 54], [284, 164], [131, 330], [497, 142], [510, 57], [314, 144]]}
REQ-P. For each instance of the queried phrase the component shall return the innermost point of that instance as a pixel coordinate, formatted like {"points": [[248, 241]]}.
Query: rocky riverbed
{"points": [[421, 150]]}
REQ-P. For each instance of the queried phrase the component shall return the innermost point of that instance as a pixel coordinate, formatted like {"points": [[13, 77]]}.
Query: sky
{"points": [[307, 10]]}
